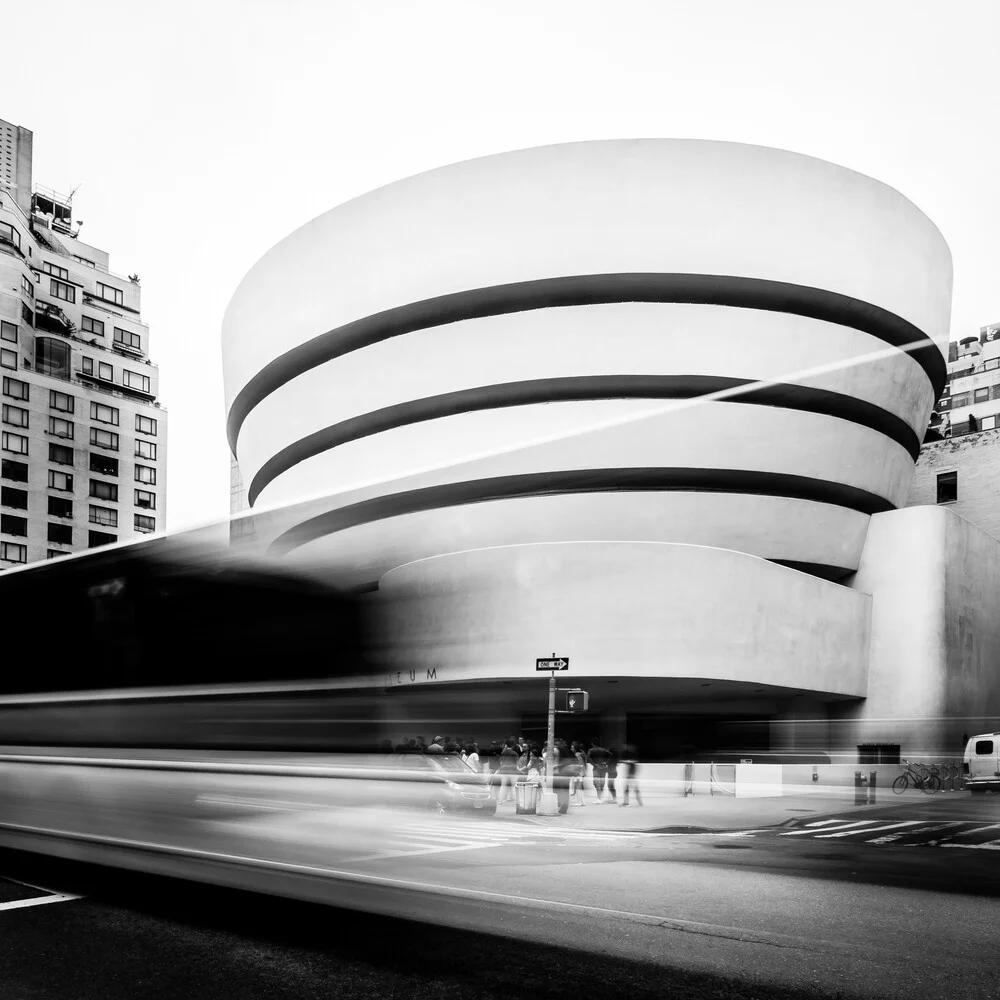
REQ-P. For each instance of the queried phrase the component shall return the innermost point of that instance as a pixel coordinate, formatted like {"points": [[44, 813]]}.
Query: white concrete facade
{"points": [[524, 381]]}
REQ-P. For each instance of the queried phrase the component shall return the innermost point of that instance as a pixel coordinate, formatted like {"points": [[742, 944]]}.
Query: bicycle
{"points": [[929, 783]]}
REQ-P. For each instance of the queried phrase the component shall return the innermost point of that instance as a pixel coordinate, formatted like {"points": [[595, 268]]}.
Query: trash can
{"points": [[525, 797]]}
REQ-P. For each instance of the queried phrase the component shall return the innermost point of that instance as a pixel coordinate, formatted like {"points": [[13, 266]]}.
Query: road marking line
{"points": [[803, 833], [38, 901], [935, 828], [412, 854], [978, 829], [864, 833], [824, 822], [741, 934], [990, 845]]}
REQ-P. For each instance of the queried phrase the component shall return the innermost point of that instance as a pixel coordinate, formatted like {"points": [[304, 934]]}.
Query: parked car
{"points": [[982, 763]]}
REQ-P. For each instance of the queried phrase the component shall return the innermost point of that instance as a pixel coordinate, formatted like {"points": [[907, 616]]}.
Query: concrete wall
{"points": [[976, 459], [934, 666], [626, 610]]}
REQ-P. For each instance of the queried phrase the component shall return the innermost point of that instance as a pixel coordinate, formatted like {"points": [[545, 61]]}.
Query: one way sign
{"points": [[556, 663]]}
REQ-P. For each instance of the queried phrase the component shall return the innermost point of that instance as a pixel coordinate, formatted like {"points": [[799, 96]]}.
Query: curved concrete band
{"points": [[489, 354]]}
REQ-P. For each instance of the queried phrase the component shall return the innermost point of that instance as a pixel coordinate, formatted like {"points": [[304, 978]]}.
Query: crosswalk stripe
{"points": [[802, 833], [913, 832], [874, 829], [978, 829], [990, 845], [18, 904], [892, 838]]}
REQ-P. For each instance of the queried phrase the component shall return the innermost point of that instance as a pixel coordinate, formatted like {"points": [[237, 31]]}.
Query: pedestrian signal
{"points": [[572, 701]]}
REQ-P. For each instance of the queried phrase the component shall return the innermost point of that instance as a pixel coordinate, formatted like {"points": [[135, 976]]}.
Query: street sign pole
{"points": [[548, 804], [550, 762]]}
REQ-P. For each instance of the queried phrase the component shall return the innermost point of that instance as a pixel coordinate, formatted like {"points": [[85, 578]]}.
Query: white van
{"points": [[982, 763]]}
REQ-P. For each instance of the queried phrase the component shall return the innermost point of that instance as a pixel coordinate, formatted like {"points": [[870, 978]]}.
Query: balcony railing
{"points": [[91, 382]]}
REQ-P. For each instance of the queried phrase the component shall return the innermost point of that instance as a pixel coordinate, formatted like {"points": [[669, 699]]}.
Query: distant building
{"points": [[84, 438]]}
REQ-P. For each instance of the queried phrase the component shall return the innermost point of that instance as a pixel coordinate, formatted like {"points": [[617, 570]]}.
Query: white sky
{"points": [[202, 133]]}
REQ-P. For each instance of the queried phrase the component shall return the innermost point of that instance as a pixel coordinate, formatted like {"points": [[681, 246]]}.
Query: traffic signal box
{"points": [[572, 701]]}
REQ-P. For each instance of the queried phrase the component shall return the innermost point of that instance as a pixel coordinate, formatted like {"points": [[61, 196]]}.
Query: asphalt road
{"points": [[510, 912]]}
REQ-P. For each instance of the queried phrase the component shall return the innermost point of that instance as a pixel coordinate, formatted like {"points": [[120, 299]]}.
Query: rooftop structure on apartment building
{"points": [[83, 433]]}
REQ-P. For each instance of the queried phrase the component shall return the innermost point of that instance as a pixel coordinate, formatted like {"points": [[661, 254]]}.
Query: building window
{"points": [[8, 332], [60, 507], [27, 287], [144, 425], [87, 366], [981, 395], [16, 443], [61, 534], [96, 538], [60, 290], [145, 499], [145, 474], [135, 381], [988, 423], [947, 487], [104, 491], [10, 524], [104, 465], [878, 753], [8, 234], [61, 401], [103, 439], [106, 414], [60, 481], [11, 497], [128, 338], [90, 325], [55, 269], [16, 416], [107, 516], [12, 552], [15, 388], [145, 523], [61, 428], [111, 293], [145, 449], [961, 399], [52, 357], [106, 372], [60, 454], [15, 471], [8, 359]]}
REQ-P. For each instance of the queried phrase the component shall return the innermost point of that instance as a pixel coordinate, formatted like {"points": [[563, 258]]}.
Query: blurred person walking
{"points": [[437, 746], [629, 774], [576, 791], [598, 757], [508, 772], [564, 773], [614, 777]]}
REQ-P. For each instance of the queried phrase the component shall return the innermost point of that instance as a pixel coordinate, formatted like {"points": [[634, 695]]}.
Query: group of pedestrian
{"points": [[510, 761]]}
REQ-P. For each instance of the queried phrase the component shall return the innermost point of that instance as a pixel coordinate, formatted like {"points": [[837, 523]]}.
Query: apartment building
{"points": [[83, 435]]}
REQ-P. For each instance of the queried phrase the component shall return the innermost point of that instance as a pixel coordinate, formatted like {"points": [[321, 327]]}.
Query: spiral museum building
{"points": [[651, 405]]}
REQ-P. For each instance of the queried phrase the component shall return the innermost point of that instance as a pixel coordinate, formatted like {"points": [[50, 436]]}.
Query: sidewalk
{"points": [[723, 812]]}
